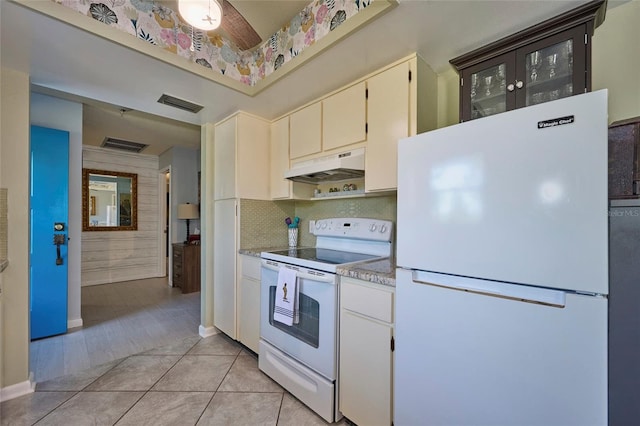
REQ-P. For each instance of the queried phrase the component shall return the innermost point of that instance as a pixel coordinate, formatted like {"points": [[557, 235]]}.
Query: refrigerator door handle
{"points": [[518, 292]]}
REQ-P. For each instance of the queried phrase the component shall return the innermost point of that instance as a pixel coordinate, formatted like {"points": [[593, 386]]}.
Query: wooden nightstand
{"points": [[186, 267]]}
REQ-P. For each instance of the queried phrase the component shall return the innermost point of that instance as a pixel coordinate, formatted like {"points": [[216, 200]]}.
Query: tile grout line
{"points": [[56, 407], [75, 392], [280, 408], [184, 354], [93, 381], [129, 409], [156, 382], [219, 384]]}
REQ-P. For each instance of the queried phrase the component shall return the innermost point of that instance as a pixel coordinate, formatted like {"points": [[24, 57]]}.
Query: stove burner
{"points": [[332, 257]]}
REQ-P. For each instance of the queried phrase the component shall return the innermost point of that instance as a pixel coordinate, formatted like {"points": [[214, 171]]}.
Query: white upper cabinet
{"points": [[344, 117], [224, 160], [241, 153], [388, 122], [402, 101], [305, 136], [280, 187], [376, 111]]}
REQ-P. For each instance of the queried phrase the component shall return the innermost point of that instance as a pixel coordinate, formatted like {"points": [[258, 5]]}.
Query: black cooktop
{"points": [[333, 257]]}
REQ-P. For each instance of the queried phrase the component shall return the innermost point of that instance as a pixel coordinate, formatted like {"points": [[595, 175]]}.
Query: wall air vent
{"points": [[122, 145], [179, 103]]}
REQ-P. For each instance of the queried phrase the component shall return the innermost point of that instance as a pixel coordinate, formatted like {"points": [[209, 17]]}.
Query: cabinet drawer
{"points": [[367, 299], [250, 267], [177, 262], [177, 256], [177, 279]]}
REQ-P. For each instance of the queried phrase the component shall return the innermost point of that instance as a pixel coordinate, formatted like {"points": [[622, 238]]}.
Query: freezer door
{"points": [[508, 199], [482, 357]]}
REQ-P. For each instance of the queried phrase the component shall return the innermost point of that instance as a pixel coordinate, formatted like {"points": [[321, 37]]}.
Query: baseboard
{"points": [[207, 331], [19, 389], [111, 280], [74, 323]]}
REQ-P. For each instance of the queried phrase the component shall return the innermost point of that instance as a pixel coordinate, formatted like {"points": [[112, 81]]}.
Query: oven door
{"points": [[312, 341]]}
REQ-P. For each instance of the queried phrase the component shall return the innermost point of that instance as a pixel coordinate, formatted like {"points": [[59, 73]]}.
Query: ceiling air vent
{"points": [[123, 145], [179, 103]]}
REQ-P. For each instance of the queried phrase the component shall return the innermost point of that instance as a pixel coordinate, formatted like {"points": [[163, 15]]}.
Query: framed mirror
{"points": [[109, 200]]}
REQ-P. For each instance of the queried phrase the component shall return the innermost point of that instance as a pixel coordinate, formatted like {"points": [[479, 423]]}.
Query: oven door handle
{"points": [[311, 275]]}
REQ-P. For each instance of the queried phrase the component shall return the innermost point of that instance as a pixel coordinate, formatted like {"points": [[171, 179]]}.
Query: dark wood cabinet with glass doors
{"points": [[548, 61]]}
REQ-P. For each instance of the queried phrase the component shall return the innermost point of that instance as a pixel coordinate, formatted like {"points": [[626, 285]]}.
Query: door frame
{"points": [[163, 236], [46, 319]]}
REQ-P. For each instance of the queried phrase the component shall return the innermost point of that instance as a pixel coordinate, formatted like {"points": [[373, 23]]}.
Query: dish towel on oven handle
{"points": [[286, 297]]}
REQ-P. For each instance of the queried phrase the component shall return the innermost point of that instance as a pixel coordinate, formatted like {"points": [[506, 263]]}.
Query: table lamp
{"points": [[188, 211]]}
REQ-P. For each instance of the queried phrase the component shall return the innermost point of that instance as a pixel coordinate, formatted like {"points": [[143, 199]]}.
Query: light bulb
{"points": [[205, 15]]}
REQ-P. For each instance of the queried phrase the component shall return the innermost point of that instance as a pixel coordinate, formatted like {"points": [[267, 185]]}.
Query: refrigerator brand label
{"points": [[556, 122]]}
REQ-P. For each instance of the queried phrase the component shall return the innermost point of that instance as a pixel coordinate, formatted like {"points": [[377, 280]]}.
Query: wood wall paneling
{"points": [[114, 256]]}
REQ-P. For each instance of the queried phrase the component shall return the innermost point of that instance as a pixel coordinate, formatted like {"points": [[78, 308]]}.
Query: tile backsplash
{"points": [[262, 222]]}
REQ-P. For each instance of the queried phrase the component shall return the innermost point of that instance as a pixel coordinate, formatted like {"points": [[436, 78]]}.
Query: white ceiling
{"points": [[69, 62]]}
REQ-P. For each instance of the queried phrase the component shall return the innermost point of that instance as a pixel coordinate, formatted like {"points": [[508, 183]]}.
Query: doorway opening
{"points": [[164, 197]]}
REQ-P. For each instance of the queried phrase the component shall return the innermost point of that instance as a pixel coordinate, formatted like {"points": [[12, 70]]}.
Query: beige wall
{"points": [[206, 210], [616, 60], [14, 175]]}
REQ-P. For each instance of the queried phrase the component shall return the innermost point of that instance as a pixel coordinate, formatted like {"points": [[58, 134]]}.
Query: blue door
{"points": [[49, 216]]}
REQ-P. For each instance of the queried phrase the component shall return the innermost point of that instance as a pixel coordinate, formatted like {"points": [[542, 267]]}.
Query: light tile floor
{"points": [[120, 319], [212, 381]]}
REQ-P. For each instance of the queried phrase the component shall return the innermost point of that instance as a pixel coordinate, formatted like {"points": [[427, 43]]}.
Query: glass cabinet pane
{"points": [[488, 91], [549, 73]]}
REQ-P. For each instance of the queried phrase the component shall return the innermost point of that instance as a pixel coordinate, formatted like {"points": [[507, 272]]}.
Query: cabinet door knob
{"points": [[519, 84], [510, 87]]}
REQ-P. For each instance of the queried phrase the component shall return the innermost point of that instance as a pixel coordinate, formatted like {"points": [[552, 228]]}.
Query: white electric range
{"points": [[303, 357]]}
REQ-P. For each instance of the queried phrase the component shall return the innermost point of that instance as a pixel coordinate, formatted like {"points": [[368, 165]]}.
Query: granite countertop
{"points": [[376, 271], [255, 252]]}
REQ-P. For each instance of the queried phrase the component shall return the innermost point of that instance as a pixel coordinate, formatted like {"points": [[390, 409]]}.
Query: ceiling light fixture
{"points": [[205, 15]]}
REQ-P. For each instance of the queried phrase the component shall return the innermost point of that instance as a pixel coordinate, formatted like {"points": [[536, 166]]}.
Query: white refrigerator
{"points": [[502, 280]]}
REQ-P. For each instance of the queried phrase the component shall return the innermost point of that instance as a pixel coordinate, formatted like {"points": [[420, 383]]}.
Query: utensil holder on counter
{"points": [[293, 237]]}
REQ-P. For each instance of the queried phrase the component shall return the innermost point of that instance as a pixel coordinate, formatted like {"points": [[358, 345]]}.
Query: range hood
{"points": [[340, 166]]}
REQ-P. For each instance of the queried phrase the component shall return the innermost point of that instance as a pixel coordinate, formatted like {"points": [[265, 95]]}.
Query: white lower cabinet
{"points": [[224, 265], [249, 302], [366, 356]]}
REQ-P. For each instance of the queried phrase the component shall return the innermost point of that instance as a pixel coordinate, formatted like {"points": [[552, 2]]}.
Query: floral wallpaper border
{"points": [[163, 27]]}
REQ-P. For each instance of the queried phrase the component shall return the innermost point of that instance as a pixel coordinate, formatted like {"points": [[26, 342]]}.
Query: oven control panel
{"points": [[360, 228]]}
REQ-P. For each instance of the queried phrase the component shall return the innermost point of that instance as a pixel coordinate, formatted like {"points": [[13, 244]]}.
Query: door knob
{"points": [[58, 239], [519, 84], [511, 87]]}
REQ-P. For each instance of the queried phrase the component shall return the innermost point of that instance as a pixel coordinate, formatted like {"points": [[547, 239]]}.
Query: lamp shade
{"points": [[202, 14], [188, 211]]}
